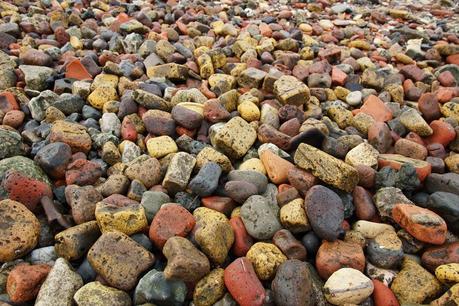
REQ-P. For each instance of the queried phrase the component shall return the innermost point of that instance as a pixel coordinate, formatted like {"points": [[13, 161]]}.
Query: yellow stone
{"points": [[362, 122], [450, 297], [206, 68], [170, 71], [238, 69], [105, 80], [253, 164], [196, 107], [450, 109], [341, 92], [220, 77], [218, 58], [307, 53], [111, 107], [236, 212], [356, 237], [200, 51], [76, 43], [102, 95], [293, 216], [341, 116], [414, 284], [209, 154], [214, 233], [128, 219], [404, 59], [217, 26], [161, 146], [265, 258], [448, 273], [249, 111], [360, 44], [452, 162], [235, 138], [210, 289], [229, 100]]}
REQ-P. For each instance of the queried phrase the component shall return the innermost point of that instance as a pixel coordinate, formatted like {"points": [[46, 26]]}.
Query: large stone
{"points": [[184, 261], [36, 77], [414, 284], [213, 233], [74, 242], [60, 285], [170, 71], [259, 219], [154, 288], [348, 286], [445, 204], [97, 294], [19, 230], [289, 90], [119, 259], [73, 134], [235, 138], [329, 169]]}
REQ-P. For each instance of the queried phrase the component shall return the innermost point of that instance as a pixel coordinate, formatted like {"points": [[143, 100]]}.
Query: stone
{"points": [[128, 218], [97, 294], [10, 143], [414, 284], [289, 90], [145, 169], [36, 77], [374, 107], [443, 203], [382, 295], [210, 289], [209, 154], [251, 78], [265, 258], [333, 256], [439, 255], [152, 202], [161, 146], [259, 219], [83, 202], [363, 154], [414, 122], [348, 285], [243, 284], [448, 273], [54, 158], [451, 295], [83, 172], [289, 246], [184, 261], [206, 181], [19, 232], [153, 287], [371, 230], [179, 172], [385, 250], [386, 198], [326, 167], [170, 71], [410, 149], [242, 240], [235, 138], [325, 211], [24, 281], [422, 223], [396, 161], [60, 285], [171, 220], [107, 258], [73, 134], [293, 216], [74, 242], [23, 181], [276, 167], [250, 176], [213, 233], [240, 191], [293, 284]]}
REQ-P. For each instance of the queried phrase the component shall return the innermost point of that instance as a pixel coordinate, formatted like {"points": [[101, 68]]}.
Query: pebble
{"points": [[153, 287], [184, 260], [210, 289], [318, 200], [348, 285], [109, 249], [60, 285], [97, 294], [19, 232], [414, 284], [24, 281], [259, 219]]}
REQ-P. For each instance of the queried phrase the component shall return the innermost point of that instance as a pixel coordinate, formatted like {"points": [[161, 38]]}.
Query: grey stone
{"points": [[259, 220], [155, 288], [36, 76], [386, 198], [445, 204], [448, 182], [206, 181], [254, 177], [60, 285]]}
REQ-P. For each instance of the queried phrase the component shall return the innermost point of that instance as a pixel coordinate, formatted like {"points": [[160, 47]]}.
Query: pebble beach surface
{"points": [[234, 152]]}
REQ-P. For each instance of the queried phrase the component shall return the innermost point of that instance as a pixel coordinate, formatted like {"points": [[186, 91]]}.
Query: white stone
{"points": [[347, 286], [363, 154]]}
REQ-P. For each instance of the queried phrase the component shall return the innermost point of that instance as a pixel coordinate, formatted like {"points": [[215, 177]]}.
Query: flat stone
{"points": [[97, 294], [108, 258], [326, 167], [60, 286]]}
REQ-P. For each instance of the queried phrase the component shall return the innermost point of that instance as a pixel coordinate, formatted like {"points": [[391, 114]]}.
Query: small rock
{"points": [[348, 285], [97, 294]]}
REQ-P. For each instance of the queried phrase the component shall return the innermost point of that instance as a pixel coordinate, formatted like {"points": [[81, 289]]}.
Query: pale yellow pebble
{"points": [[265, 258], [249, 111], [102, 95], [293, 216], [76, 43], [254, 164], [161, 146], [448, 273], [195, 107]]}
